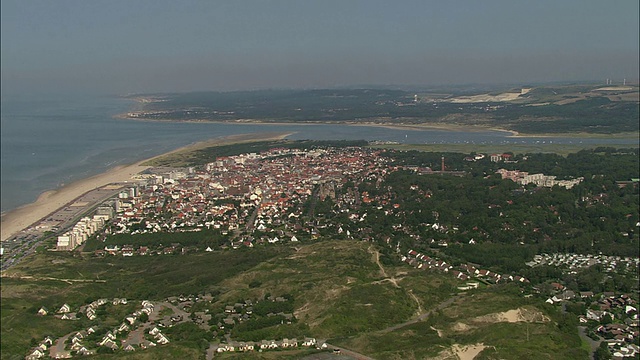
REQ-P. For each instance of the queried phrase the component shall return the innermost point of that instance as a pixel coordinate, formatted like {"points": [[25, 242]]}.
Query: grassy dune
{"points": [[339, 291]]}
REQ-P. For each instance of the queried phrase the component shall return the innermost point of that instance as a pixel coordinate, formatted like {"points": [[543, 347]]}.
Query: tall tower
{"points": [[442, 165]]}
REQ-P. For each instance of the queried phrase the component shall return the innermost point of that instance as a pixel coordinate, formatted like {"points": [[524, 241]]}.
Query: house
{"points": [[35, 354], [69, 316], [127, 251], [557, 286], [226, 348], [496, 157], [64, 309], [123, 327], [268, 345], [84, 351], [586, 294], [309, 341], [594, 314], [243, 346], [161, 339], [48, 340], [110, 344], [43, 311]]}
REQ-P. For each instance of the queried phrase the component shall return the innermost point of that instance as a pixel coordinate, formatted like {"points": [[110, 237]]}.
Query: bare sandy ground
{"points": [[468, 352], [513, 316], [485, 98], [462, 352], [19, 219]]}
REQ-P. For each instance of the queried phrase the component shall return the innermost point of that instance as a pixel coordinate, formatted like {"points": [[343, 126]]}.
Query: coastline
{"points": [[416, 127], [19, 219], [411, 127]]}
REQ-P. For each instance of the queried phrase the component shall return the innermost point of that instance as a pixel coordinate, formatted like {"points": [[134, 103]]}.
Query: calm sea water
{"points": [[50, 141]]}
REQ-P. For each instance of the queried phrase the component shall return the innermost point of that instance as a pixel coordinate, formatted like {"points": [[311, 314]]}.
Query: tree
{"points": [[606, 319], [143, 318], [602, 352]]}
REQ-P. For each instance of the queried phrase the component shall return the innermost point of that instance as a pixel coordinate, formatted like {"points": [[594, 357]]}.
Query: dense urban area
{"points": [[559, 234]]}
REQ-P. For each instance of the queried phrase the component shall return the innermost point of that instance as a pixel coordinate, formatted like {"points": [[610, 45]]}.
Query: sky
{"points": [[123, 46]]}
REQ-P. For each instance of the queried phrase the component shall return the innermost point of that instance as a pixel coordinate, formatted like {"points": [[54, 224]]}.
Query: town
{"points": [[294, 196]]}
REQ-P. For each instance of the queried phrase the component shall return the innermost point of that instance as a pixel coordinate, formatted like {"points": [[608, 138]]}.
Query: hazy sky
{"points": [[143, 46]]}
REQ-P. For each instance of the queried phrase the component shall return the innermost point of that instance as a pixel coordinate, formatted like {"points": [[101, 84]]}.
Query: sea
{"points": [[47, 141]]}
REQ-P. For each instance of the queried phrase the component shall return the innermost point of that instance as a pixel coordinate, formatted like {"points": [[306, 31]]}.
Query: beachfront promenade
{"points": [[24, 242]]}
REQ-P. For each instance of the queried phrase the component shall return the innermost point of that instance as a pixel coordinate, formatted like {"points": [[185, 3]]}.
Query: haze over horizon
{"points": [[169, 46]]}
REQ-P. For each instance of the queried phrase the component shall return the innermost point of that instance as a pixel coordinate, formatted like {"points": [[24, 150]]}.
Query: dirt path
{"points": [[391, 279], [376, 259], [42, 278], [420, 309], [419, 318]]}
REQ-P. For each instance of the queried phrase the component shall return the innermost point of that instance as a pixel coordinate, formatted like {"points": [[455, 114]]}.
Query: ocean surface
{"points": [[50, 141]]}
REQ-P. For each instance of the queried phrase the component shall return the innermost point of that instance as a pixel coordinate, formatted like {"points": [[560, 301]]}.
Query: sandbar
{"points": [[48, 202]]}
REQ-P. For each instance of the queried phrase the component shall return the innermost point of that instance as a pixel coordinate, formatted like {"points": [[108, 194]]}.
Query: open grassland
{"points": [[506, 325], [338, 288]]}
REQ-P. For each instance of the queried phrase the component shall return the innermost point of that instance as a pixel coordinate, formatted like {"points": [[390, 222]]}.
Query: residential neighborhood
{"points": [[143, 328], [285, 198]]}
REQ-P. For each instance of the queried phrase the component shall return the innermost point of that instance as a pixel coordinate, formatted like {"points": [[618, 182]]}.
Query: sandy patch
{"points": [[462, 352], [485, 98], [461, 327], [614, 88], [436, 330], [513, 316], [468, 352]]}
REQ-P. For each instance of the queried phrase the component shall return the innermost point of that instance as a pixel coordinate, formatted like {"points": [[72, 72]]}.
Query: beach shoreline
{"points": [[16, 220]]}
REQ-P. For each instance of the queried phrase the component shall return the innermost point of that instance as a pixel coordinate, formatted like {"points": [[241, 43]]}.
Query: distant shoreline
{"points": [[21, 218], [412, 127]]}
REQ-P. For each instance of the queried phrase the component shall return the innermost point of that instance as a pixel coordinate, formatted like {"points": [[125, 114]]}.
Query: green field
{"points": [[471, 320]]}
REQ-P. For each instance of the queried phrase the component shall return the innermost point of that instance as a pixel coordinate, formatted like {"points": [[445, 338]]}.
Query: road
{"points": [[57, 351], [582, 330]]}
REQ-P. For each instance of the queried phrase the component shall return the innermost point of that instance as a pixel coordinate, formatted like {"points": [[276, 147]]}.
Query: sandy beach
{"points": [[25, 216]]}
